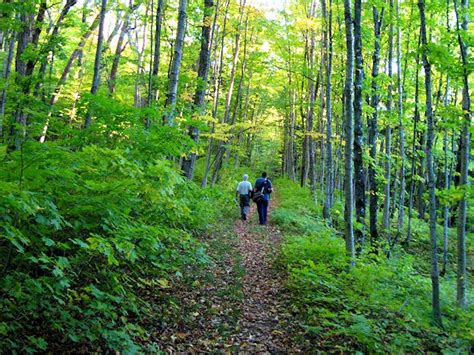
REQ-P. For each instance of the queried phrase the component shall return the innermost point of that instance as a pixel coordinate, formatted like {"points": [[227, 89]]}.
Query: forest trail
{"points": [[242, 306], [265, 322]]}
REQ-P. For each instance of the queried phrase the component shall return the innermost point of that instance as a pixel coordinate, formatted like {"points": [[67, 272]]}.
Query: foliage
{"points": [[382, 305], [84, 234]]}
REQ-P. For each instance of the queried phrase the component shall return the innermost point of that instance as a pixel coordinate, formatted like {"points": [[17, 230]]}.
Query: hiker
{"points": [[262, 190], [244, 190]]}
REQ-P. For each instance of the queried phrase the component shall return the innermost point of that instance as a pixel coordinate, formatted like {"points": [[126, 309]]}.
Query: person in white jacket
{"points": [[243, 192]]}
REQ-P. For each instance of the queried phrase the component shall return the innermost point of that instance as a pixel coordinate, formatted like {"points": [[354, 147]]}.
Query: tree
{"points": [[98, 56], [176, 65], [464, 153], [327, 34], [429, 166], [358, 134], [372, 131], [349, 132], [199, 96]]}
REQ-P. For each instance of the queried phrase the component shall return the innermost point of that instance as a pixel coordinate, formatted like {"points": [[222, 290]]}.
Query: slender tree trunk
{"points": [[6, 77], [358, 134], [349, 132], [329, 159], [153, 96], [447, 181], [65, 74], [49, 46], [401, 198], [27, 38], [221, 149], [464, 154], [98, 55], [118, 51], [430, 166], [372, 132], [203, 71], [446, 185], [312, 100], [176, 65], [413, 149], [388, 130], [217, 85]]}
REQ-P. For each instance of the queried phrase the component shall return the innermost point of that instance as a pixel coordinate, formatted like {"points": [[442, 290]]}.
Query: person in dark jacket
{"points": [[264, 185]]}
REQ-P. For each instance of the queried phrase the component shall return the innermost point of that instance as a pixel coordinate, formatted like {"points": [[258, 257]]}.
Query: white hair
{"points": [[245, 177]]}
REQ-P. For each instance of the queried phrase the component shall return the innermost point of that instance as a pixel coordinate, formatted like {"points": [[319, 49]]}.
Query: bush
{"points": [[381, 305], [84, 236]]}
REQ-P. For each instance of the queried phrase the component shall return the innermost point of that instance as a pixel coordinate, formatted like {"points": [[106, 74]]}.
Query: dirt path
{"points": [[240, 305], [264, 323]]}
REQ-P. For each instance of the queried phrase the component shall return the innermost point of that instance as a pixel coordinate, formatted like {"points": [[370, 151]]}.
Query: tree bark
{"points": [[461, 280], [430, 167], [329, 159], [401, 198], [28, 37], [416, 118], [221, 149], [50, 45], [176, 65], [349, 132], [153, 96], [98, 55], [6, 76], [203, 71], [358, 134], [217, 84], [372, 132], [65, 74], [388, 130]]}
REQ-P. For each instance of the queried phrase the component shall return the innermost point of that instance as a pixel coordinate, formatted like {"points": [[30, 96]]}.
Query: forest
{"points": [[126, 125]]}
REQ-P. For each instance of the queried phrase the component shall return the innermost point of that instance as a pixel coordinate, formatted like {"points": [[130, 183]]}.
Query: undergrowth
{"points": [[381, 305], [90, 239]]}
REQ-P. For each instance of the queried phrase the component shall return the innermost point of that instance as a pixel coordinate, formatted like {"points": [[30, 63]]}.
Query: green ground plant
{"points": [[381, 305], [84, 235]]}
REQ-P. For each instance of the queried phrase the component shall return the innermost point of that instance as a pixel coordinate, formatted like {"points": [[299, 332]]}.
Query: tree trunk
{"points": [[413, 149], [65, 74], [49, 47], [27, 38], [372, 132], [118, 51], [429, 167], [6, 76], [203, 71], [349, 132], [176, 65], [217, 85], [358, 134], [98, 55], [388, 130], [312, 99], [401, 198], [446, 184], [464, 155], [153, 95], [329, 160], [221, 149]]}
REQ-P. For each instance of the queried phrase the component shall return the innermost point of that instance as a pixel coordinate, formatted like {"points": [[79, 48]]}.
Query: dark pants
{"points": [[244, 205], [262, 208]]}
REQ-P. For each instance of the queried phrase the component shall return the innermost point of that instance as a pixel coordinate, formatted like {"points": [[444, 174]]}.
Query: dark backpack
{"points": [[260, 193]]}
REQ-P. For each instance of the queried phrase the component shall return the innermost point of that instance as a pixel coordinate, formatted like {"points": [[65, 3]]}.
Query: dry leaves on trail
{"points": [[265, 325], [241, 305]]}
